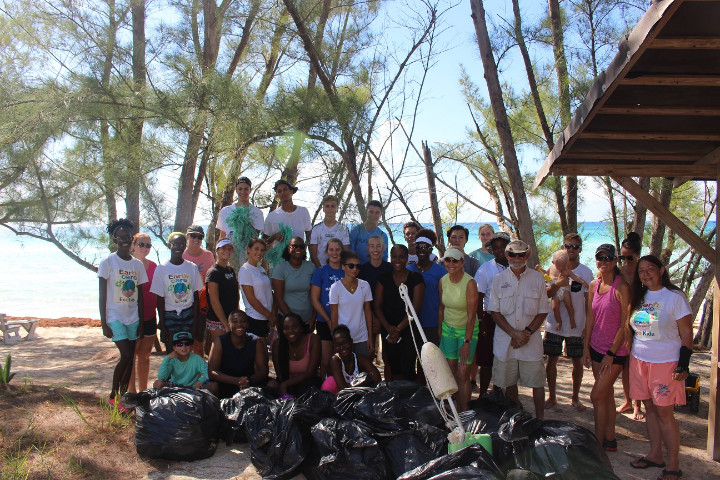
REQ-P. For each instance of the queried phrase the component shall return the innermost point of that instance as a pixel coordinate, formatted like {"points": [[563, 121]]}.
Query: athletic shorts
{"points": [[123, 332], [361, 348], [323, 331], [518, 372], [452, 339], [653, 381], [598, 357], [148, 328], [552, 345], [261, 328], [179, 322]]}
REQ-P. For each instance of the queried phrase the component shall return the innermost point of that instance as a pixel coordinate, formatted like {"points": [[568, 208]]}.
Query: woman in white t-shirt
{"points": [[659, 361], [256, 290], [350, 304], [121, 303]]}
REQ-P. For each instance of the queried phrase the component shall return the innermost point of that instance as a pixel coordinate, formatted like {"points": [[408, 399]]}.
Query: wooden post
{"points": [[432, 191], [713, 438]]}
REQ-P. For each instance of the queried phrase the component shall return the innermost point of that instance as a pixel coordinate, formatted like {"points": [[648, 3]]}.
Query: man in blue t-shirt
{"points": [[360, 234]]}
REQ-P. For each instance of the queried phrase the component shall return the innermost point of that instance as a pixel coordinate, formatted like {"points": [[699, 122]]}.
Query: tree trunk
{"points": [[701, 290], [503, 128], [640, 210], [432, 193], [658, 233], [613, 210], [134, 166], [571, 194]]}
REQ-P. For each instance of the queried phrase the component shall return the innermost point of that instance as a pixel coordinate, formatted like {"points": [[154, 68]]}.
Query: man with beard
{"points": [[518, 305], [484, 278]]}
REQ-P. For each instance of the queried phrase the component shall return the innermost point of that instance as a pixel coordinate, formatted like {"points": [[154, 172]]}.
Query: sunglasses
{"points": [[187, 343], [569, 246], [452, 260], [513, 255], [604, 258], [423, 246], [144, 245], [353, 266], [196, 236], [298, 246], [626, 258]]}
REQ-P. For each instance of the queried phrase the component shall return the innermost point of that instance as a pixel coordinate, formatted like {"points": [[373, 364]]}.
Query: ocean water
{"points": [[41, 281]]}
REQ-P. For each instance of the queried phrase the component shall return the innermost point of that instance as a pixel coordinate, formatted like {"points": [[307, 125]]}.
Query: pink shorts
{"points": [[330, 385], [653, 381]]}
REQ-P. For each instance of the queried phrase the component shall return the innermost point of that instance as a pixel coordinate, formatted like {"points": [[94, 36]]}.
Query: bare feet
{"points": [[625, 407], [550, 403], [638, 414], [578, 406]]}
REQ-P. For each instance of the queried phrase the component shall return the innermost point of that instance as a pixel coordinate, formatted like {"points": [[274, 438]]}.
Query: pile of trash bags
{"points": [[389, 431]]}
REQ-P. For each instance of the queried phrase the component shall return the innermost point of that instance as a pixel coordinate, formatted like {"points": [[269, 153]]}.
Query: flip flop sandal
{"points": [[675, 473], [645, 463]]}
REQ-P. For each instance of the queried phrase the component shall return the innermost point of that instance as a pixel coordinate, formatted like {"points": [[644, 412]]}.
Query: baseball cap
{"points": [[183, 337], [285, 182], [608, 248], [223, 242], [453, 253]]}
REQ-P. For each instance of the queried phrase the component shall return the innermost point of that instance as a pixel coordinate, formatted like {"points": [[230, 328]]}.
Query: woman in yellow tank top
{"points": [[457, 322]]}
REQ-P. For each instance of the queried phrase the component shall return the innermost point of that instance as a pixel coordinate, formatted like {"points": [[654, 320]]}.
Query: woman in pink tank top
{"points": [[606, 338], [296, 356]]}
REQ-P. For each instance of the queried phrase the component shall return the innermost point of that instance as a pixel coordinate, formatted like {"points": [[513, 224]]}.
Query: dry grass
{"points": [[51, 433]]}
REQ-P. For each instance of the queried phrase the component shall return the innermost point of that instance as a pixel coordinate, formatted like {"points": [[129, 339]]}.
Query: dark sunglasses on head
{"points": [[353, 265], [452, 260], [144, 245], [513, 255], [196, 236], [604, 258], [186, 343], [568, 246], [298, 246], [626, 258]]}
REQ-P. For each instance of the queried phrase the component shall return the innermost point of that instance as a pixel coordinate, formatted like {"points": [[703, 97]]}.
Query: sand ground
{"points": [[81, 359]]}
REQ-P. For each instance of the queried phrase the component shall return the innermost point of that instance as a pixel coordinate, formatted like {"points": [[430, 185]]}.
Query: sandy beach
{"points": [[80, 359]]}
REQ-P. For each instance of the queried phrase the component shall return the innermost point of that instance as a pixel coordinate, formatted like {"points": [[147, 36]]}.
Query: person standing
{"points": [[484, 278], [360, 234], [518, 304], [484, 253], [195, 253], [176, 284], [247, 215], [571, 330], [325, 230], [630, 250], [222, 292], [350, 304], [606, 338], [457, 238], [432, 273], [661, 320], [457, 319], [147, 336], [257, 291], [287, 214], [291, 283], [121, 303]]}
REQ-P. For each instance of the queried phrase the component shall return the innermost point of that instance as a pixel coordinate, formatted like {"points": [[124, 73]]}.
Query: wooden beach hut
{"points": [[655, 112]]}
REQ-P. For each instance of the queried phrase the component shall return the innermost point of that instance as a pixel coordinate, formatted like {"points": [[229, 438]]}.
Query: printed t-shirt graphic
{"points": [[645, 321]]}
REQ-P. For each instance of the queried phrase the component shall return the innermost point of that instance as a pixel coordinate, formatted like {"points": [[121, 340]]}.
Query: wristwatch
{"points": [[527, 329], [466, 341]]}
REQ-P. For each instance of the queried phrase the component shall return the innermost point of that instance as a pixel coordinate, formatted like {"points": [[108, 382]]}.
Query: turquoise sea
{"points": [[40, 281]]}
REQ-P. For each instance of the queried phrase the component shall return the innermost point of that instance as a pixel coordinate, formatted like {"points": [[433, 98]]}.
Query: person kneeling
{"points": [[296, 356], [345, 365], [236, 362], [182, 368]]}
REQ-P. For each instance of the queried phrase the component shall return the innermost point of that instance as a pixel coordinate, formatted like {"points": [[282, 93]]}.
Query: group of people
{"points": [[326, 317]]}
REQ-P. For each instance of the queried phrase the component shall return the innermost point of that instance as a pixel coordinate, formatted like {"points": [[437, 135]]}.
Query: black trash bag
{"points": [[278, 443], [417, 402], [416, 446], [490, 408], [363, 379], [472, 461], [234, 410], [377, 409], [552, 449], [177, 423], [317, 404], [345, 450]]}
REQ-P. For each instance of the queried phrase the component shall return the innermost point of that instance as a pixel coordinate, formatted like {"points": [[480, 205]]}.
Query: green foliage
{"points": [[5, 375]]}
